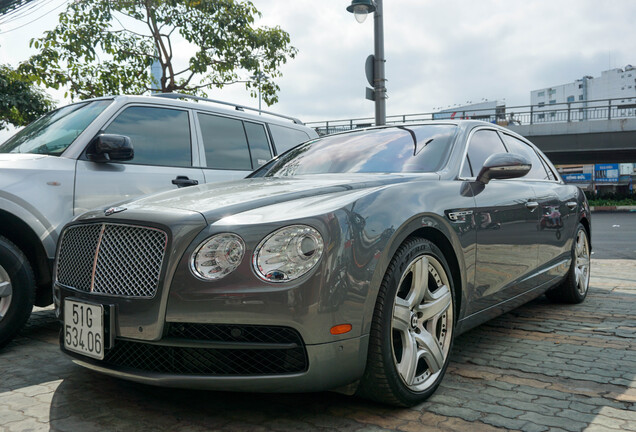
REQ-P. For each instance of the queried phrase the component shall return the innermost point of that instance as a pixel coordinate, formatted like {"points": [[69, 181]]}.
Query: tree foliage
{"points": [[21, 101], [107, 46]]}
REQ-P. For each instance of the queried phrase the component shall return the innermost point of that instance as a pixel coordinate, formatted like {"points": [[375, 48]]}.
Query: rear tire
{"points": [[574, 288], [412, 328], [17, 290]]}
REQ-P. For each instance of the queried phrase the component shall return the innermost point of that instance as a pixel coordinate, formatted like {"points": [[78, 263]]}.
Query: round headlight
{"points": [[217, 256], [288, 253]]}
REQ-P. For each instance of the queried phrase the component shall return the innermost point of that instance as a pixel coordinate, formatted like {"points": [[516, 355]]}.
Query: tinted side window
{"points": [[483, 144], [537, 172], [286, 138], [551, 175], [225, 143], [160, 136], [259, 146]]}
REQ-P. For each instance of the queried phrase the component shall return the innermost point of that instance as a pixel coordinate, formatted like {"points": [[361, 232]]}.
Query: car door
{"points": [[164, 158], [505, 220], [557, 211], [232, 148]]}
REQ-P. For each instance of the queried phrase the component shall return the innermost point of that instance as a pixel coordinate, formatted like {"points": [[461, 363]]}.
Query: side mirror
{"points": [[109, 147], [504, 166]]}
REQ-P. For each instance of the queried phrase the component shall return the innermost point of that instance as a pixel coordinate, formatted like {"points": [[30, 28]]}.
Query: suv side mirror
{"points": [[110, 147], [504, 166]]}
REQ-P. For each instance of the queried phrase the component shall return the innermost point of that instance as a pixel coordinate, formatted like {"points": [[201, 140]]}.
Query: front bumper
{"points": [[329, 365]]}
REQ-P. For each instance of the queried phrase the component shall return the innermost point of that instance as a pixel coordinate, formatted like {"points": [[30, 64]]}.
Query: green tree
{"points": [[21, 101], [107, 46]]}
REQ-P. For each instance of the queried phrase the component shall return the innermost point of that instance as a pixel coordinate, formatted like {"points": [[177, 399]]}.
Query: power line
{"points": [[34, 20], [19, 11]]}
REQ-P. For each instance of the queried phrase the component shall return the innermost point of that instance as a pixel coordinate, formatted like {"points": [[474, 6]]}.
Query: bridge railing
{"points": [[574, 111]]}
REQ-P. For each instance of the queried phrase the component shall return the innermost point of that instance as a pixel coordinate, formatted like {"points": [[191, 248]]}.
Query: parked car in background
{"points": [[98, 151], [351, 262]]}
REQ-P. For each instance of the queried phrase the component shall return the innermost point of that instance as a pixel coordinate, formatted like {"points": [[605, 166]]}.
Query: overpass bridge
{"points": [[582, 132]]}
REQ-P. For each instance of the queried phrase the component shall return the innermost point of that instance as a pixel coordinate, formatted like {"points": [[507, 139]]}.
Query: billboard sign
{"points": [[606, 173], [577, 178]]}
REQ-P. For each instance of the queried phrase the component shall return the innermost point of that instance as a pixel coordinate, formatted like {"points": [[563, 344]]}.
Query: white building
{"points": [[588, 98], [487, 111]]}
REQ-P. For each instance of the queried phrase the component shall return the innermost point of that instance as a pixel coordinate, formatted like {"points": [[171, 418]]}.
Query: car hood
{"points": [[221, 200]]}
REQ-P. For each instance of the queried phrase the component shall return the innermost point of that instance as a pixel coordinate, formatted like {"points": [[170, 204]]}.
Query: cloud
{"points": [[438, 52]]}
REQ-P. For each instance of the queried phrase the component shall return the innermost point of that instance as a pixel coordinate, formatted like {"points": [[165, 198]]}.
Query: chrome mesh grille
{"points": [[127, 259], [77, 255]]}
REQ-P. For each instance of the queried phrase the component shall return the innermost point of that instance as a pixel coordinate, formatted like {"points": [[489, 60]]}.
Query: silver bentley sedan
{"points": [[350, 263]]}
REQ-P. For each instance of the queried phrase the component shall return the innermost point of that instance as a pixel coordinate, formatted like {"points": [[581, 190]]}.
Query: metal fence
{"points": [[603, 109]]}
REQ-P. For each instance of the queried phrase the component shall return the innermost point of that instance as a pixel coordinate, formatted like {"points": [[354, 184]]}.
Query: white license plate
{"points": [[84, 328]]}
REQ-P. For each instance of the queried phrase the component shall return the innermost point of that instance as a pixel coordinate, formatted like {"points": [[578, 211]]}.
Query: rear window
{"points": [[286, 138], [391, 150]]}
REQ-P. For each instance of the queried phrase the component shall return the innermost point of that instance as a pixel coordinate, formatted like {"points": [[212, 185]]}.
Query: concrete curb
{"points": [[613, 208]]}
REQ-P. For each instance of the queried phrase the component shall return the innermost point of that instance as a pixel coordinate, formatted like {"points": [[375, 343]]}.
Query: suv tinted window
{"points": [[259, 146], [160, 136], [483, 144], [286, 138], [537, 172], [225, 143]]}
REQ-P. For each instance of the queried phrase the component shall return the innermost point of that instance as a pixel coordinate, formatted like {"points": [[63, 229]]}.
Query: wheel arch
{"points": [[588, 229], [21, 234], [434, 228], [443, 243]]}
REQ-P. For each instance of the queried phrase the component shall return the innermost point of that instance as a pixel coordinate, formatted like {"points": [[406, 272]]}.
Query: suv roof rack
{"points": [[236, 106]]}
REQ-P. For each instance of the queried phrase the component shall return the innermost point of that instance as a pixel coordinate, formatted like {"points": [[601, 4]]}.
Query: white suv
{"points": [[96, 152]]}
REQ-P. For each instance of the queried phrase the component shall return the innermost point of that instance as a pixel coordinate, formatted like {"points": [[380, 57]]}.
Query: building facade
{"points": [[612, 94]]}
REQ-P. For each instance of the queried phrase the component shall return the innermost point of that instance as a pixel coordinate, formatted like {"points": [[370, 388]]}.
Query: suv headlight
{"points": [[288, 253], [217, 256]]}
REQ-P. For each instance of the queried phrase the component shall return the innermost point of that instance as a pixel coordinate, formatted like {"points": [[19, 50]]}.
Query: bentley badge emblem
{"points": [[113, 210]]}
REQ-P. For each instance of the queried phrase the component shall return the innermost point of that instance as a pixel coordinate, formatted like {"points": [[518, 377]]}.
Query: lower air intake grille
{"points": [[206, 361]]}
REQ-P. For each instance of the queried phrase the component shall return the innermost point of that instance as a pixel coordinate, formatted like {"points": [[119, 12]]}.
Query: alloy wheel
{"points": [[6, 292], [582, 264], [422, 323]]}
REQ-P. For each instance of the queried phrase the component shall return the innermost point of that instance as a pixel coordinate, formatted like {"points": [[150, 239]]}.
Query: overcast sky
{"points": [[439, 52]]}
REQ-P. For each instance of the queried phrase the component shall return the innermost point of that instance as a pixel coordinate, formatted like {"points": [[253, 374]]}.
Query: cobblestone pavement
{"points": [[540, 367]]}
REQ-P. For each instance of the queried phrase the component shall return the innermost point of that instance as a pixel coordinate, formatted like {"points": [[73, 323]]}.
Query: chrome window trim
{"points": [[536, 152], [465, 153], [513, 134]]}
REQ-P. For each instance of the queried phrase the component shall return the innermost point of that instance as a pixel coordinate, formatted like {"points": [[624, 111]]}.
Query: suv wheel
{"points": [[17, 290]]}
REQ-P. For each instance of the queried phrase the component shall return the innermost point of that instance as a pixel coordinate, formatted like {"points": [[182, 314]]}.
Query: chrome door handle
{"points": [[532, 205], [183, 181], [571, 205]]}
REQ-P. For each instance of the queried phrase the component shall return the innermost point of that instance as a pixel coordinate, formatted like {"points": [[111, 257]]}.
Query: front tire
{"points": [[17, 290], [412, 328], [574, 288]]}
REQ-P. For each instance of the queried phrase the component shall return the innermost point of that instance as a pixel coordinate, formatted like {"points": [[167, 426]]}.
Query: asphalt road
{"points": [[614, 235]]}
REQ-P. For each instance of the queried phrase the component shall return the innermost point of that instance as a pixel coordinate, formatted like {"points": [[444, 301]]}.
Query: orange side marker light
{"points": [[340, 329]]}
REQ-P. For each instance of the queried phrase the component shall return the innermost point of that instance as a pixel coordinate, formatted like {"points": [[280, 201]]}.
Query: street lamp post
{"points": [[360, 9], [259, 77]]}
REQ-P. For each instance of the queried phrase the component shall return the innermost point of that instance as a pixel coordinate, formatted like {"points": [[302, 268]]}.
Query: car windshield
{"points": [[52, 133], [401, 149]]}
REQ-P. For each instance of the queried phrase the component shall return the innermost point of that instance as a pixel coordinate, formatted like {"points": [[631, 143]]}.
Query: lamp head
{"points": [[361, 8]]}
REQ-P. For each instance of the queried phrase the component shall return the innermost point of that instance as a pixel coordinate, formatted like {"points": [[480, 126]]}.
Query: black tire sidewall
{"points": [[23, 290], [414, 249]]}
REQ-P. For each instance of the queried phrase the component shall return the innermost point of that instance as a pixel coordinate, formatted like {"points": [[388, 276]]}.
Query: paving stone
{"points": [[504, 422], [463, 413], [560, 422], [543, 367]]}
